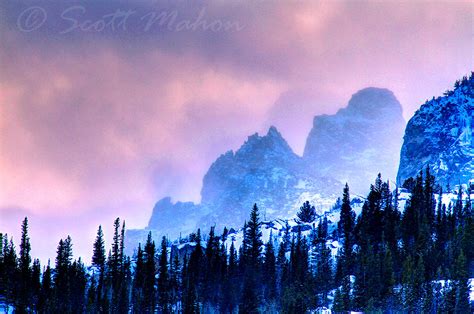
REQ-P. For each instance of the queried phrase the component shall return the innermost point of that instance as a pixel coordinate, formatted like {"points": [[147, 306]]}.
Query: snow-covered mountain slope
{"points": [[440, 135], [359, 141], [278, 227]]}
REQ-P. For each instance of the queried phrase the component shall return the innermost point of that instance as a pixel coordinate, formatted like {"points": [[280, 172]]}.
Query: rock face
{"points": [[264, 171], [440, 136], [359, 141], [165, 213]]}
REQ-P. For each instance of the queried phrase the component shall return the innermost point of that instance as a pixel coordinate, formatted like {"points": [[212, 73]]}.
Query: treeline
{"points": [[416, 261]]}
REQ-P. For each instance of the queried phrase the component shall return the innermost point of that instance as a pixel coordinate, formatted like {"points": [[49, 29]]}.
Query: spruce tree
{"points": [[231, 287], [461, 285], [91, 302], [346, 232], [115, 267], [138, 288], [324, 277], [24, 275], [212, 274], [149, 295], [251, 295], [269, 273], [98, 260], [125, 276], [307, 213], [98, 256], [45, 301], [78, 284], [192, 280], [338, 305], [175, 279], [10, 266], [62, 275], [163, 279]]}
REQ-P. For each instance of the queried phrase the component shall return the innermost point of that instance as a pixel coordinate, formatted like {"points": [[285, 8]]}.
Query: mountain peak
{"points": [[372, 101], [272, 142], [359, 141], [272, 131]]}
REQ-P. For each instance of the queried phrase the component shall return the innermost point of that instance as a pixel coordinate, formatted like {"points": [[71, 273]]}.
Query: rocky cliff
{"points": [[359, 141], [439, 135]]}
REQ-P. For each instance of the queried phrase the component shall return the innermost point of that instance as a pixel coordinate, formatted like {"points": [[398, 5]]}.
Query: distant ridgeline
{"points": [[352, 146]]}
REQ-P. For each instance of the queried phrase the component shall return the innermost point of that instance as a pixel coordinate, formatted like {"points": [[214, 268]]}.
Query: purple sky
{"points": [[100, 124]]}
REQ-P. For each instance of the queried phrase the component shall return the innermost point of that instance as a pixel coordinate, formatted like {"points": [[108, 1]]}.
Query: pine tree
{"points": [[307, 213], [115, 267], [346, 293], [149, 276], [449, 298], [35, 284], [10, 266], [2, 268], [253, 245], [46, 295], [175, 279], [212, 274], [345, 229], [62, 283], [163, 279], [338, 304], [91, 302], [251, 295], [125, 287], [324, 271], [125, 276], [192, 280], [269, 273], [98, 260], [231, 288], [98, 257], [388, 280], [428, 298], [24, 278], [413, 280], [138, 288], [461, 285], [78, 284], [297, 292], [412, 216]]}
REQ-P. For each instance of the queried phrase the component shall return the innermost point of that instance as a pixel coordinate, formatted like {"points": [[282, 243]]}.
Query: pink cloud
{"points": [[96, 125]]}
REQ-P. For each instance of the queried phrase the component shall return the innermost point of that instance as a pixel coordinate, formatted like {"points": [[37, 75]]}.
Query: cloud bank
{"points": [[98, 123]]}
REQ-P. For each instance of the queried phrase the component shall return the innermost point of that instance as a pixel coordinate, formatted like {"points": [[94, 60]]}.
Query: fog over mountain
{"points": [[359, 141], [352, 146]]}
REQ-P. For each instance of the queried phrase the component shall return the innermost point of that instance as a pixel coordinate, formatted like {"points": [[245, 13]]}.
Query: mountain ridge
{"points": [[265, 170], [439, 135]]}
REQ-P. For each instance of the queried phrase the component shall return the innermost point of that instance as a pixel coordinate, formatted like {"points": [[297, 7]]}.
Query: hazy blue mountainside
{"points": [[350, 146], [440, 135], [264, 171], [359, 141]]}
